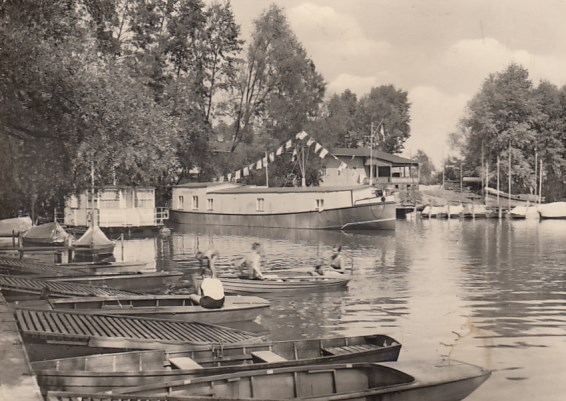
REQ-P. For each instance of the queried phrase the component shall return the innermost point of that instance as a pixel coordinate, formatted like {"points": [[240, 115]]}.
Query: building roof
{"points": [[376, 154], [254, 189]]}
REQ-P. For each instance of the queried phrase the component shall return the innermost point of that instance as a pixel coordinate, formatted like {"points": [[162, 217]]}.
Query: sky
{"points": [[439, 51]]}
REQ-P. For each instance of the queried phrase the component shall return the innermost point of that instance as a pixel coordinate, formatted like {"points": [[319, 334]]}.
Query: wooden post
{"points": [[122, 245]]}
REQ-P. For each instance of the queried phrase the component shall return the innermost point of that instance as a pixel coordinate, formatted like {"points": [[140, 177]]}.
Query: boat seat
{"points": [[348, 349], [267, 356], [184, 362]]}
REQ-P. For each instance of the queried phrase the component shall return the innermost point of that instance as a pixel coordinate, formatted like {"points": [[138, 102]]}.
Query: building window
{"points": [[209, 204], [319, 204], [181, 202], [195, 202], [260, 204]]}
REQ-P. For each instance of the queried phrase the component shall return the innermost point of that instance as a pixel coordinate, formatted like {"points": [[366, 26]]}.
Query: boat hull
{"points": [[283, 285], [140, 282], [99, 373], [376, 216]]}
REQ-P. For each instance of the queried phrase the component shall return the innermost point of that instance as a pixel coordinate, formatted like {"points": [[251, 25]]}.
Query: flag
{"points": [[301, 135], [323, 153], [272, 157], [279, 151], [310, 142], [288, 144], [229, 177], [294, 156], [381, 134], [258, 165], [238, 174], [264, 161], [342, 166], [246, 171], [317, 147], [251, 166]]}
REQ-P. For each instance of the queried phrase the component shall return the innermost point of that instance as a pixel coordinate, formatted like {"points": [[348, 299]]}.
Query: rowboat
{"points": [[283, 284], [177, 307], [104, 267], [139, 282], [399, 381], [20, 267], [103, 372], [48, 334], [16, 288]]}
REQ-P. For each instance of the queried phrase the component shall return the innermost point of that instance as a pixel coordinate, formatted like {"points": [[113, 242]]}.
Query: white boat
{"points": [[455, 211], [14, 226], [229, 204], [476, 211], [553, 210], [524, 212]]}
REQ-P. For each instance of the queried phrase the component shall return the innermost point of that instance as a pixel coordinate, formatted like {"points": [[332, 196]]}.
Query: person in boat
{"points": [[250, 265], [333, 266], [210, 292], [208, 259]]}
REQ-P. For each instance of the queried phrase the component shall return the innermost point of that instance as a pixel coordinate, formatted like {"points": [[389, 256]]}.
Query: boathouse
{"points": [[114, 207], [386, 170]]}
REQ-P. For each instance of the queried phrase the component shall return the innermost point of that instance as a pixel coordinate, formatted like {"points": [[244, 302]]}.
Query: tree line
{"points": [[133, 92]]}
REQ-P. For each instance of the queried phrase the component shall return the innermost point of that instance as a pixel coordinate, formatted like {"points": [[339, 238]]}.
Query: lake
{"points": [[487, 292]]}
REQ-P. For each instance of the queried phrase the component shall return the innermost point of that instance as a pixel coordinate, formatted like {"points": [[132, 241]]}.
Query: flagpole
{"points": [[371, 155], [266, 170]]}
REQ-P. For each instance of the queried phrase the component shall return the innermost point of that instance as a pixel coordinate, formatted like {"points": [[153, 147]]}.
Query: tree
{"points": [[387, 109], [426, 167], [279, 87]]}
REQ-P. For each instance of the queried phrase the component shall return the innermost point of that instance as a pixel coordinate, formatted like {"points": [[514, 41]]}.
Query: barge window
{"points": [[181, 202], [195, 202], [320, 204], [260, 204], [209, 204]]}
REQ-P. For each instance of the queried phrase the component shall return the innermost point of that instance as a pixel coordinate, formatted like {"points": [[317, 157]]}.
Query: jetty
{"points": [[18, 381]]}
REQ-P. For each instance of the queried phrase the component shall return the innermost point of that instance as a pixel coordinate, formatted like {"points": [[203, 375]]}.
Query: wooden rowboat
{"points": [[139, 282], [18, 288], [103, 372], [283, 284], [104, 267], [176, 307], [398, 381], [49, 334]]}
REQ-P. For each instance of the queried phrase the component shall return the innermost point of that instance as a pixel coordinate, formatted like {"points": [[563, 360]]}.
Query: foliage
{"points": [[511, 121], [426, 167]]}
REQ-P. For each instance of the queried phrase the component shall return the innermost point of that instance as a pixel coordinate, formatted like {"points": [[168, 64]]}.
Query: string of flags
{"points": [[301, 138]]}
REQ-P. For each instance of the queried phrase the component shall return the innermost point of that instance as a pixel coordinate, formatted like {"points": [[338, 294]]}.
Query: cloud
{"points": [[434, 115], [356, 83]]}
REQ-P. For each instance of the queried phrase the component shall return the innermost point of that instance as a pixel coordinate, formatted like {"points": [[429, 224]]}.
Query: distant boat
{"points": [[524, 212], [455, 211], [515, 197], [553, 210], [477, 211], [48, 234], [400, 381], [284, 284], [229, 204], [14, 226], [93, 244], [121, 370]]}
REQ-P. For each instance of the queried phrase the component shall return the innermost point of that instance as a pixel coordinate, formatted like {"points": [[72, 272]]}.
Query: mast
{"points": [[266, 170], [509, 197], [371, 155]]}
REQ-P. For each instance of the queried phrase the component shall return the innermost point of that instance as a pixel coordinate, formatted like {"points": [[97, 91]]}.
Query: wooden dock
{"points": [[17, 381]]}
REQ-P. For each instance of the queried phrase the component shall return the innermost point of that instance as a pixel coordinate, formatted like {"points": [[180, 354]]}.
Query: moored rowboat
{"points": [[103, 372], [284, 284], [399, 381], [143, 281], [176, 307]]}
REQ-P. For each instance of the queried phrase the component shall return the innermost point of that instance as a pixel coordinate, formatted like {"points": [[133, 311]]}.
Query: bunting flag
{"points": [[246, 171], [381, 134], [310, 142], [258, 165], [323, 153], [301, 135], [251, 166], [229, 177], [342, 166], [264, 161], [238, 174], [289, 144], [272, 157], [294, 156], [279, 151], [317, 147]]}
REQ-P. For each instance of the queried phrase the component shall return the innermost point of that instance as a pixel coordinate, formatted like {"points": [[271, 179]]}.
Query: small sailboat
{"points": [[93, 244]]}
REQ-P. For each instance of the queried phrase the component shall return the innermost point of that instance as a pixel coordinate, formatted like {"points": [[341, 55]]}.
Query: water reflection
{"points": [[486, 291]]}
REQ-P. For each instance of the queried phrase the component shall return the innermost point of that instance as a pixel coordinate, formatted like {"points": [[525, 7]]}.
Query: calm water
{"points": [[487, 292]]}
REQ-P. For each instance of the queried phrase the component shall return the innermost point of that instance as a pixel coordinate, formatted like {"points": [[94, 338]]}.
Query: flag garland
{"points": [[270, 157]]}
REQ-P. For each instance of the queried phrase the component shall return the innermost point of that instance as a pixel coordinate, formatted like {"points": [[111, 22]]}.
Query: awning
{"points": [[377, 162]]}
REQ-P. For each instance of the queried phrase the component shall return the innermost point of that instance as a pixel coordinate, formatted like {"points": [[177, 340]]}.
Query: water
{"points": [[487, 292]]}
